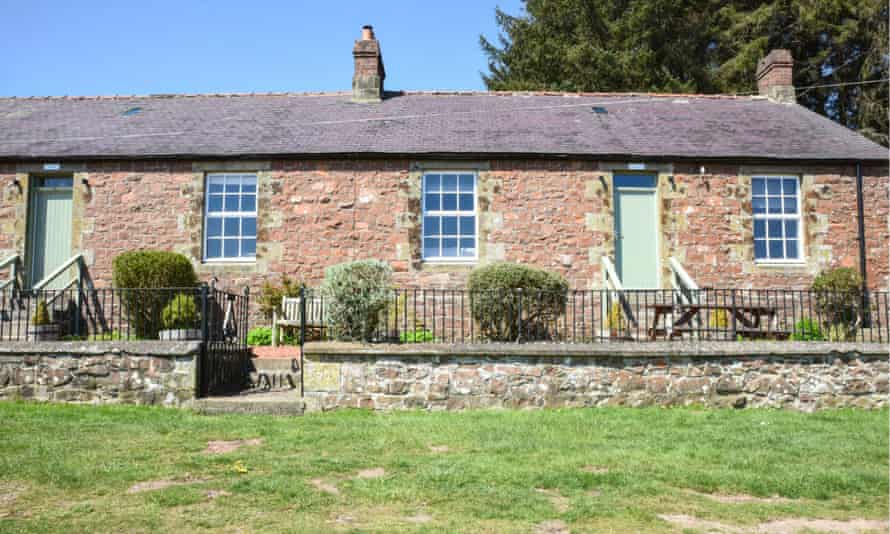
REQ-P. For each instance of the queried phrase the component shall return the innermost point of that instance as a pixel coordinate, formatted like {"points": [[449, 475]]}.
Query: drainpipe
{"points": [[863, 271]]}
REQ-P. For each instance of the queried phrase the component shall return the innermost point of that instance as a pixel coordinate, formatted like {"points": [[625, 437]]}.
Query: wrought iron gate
{"points": [[225, 359]]}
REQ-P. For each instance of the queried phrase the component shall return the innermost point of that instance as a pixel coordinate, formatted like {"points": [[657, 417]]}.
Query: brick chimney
{"points": [[367, 82], [775, 77]]}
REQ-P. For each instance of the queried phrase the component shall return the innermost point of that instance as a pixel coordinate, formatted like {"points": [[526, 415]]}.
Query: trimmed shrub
{"points": [[262, 336], [355, 294], [838, 300], [150, 269], [41, 315], [510, 301], [180, 313], [807, 330], [271, 295]]}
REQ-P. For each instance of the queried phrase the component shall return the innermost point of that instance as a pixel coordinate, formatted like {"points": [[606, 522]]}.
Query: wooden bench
{"points": [[290, 315]]}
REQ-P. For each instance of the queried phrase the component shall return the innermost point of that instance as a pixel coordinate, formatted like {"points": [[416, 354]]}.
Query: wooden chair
{"points": [[290, 315]]}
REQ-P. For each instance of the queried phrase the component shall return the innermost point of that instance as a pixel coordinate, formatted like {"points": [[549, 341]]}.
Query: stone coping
{"points": [[654, 349], [159, 349]]}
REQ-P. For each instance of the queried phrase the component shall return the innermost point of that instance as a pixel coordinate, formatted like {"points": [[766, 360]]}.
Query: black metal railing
{"points": [[463, 316]]}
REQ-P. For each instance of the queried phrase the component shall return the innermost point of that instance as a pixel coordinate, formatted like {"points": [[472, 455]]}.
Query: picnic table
{"points": [[756, 321]]}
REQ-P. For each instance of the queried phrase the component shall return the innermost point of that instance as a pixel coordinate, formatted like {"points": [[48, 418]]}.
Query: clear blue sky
{"points": [[87, 47]]}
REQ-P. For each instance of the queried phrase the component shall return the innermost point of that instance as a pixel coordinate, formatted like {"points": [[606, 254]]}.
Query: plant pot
{"points": [[179, 334], [46, 332]]}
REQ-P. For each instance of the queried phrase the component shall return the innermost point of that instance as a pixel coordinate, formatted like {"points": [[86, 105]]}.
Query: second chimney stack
{"points": [[775, 76], [367, 81]]}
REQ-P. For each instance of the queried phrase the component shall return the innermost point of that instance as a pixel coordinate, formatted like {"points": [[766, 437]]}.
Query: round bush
{"points": [[355, 293], [180, 313], [510, 301], [838, 300], [150, 269]]}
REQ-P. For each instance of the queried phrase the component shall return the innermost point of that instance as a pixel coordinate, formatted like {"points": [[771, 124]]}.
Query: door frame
{"points": [[654, 190], [35, 182]]}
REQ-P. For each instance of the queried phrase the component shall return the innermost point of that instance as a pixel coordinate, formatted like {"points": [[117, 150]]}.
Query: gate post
{"points": [[201, 368], [302, 334]]}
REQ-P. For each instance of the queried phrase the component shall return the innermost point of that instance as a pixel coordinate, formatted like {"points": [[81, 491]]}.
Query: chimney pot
{"points": [[775, 76], [367, 79]]}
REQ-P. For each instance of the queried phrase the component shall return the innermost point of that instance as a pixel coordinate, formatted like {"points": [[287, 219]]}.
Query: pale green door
{"points": [[636, 237], [49, 228]]}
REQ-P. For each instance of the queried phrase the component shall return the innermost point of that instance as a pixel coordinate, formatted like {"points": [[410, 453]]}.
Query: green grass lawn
{"points": [[73, 468]]}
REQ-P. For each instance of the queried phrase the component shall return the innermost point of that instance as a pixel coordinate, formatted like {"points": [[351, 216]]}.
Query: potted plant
{"points": [[42, 328], [179, 318]]}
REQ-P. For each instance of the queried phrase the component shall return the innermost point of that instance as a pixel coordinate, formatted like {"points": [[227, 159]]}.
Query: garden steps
{"points": [[287, 402]]}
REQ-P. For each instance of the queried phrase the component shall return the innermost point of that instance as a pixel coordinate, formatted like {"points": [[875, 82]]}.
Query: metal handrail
{"points": [[77, 258], [610, 278], [12, 262], [685, 288]]}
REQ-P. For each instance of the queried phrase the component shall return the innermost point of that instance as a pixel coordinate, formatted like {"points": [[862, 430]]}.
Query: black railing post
{"points": [[734, 327], [201, 371], [302, 334]]}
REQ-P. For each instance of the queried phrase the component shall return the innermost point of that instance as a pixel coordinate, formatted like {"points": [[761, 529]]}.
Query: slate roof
{"points": [[635, 126]]}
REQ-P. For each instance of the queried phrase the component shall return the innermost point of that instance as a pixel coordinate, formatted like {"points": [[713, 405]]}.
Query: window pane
{"points": [[466, 202], [248, 203], [230, 248], [231, 203], [248, 247], [758, 204], [449, 225], [431, 202], [759, 249], [233, 185], [774, 229], [757, 186], [791, 249], [791, 205], [430, 248], [214, 186], [468, 226], [432, 182], [449, 202], [449, 248], [774, 186], [449, 183], [789, 186], [759, 229], [467, 248], [215, 203], [431, 226], [214, 227], [230, 226], [249, 187], [776, 248], [248, 227], [466, 183], [214, 248], [791, 229], [774, 205]]}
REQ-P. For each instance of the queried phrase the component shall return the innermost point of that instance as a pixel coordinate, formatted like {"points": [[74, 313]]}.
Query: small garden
{"points": [[132, 469], [506, 302]]}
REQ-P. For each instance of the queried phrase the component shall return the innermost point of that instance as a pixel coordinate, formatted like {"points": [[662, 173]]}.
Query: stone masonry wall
{"points": [[763, 374], [156, 373], [553, 214]]}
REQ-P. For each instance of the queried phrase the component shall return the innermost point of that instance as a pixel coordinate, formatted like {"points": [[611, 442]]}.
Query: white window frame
{"points": [[449, 213], [766, 217], [228, 214]]}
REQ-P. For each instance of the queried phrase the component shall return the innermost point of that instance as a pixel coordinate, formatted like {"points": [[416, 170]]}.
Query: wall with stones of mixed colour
{"points": [[801, 376], [133, 372], [554, 214]]}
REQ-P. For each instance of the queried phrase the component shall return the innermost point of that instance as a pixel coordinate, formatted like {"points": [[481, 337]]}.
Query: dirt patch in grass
{"points": [[552, 527], [560, 503], [739, 498], [780, 526], [326, 487], [595, 469], [152, 485], [222, 447], [439, 449], [215, 494], [376, 472], [419, 518], [9, 493]]}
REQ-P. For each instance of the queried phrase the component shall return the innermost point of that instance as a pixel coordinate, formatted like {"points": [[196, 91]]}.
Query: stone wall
{"points": [[802, 376], [550, 213], [134, 372]]}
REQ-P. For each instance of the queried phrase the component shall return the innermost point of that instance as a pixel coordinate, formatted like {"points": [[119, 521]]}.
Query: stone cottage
{"points": [[743, 191]]}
